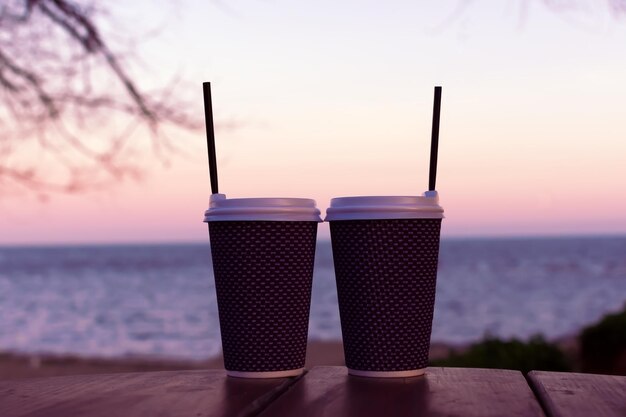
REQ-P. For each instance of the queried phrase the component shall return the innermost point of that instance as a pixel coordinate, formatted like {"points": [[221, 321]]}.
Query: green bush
{"points": [[603, 345], [536, 354]]}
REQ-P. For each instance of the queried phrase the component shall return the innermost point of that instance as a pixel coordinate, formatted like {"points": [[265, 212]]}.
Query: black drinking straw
{"points": [[434, 140], [210, 136]]}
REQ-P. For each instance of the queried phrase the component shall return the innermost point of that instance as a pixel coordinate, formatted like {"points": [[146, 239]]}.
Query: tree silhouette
{"points": [[68, 101]]}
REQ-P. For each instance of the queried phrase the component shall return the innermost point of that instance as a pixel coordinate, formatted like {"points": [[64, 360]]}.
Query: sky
{"points": [[335, 99]]}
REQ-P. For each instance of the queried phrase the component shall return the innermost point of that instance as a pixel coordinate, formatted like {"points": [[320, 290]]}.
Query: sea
{"points": [[159, 300]]}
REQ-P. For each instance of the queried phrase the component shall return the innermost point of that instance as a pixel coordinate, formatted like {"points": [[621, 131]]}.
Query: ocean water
{"points": [[160, 300]]}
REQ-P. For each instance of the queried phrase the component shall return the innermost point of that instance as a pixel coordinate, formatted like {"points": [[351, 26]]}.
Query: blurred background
{"points": [[104, 259]]}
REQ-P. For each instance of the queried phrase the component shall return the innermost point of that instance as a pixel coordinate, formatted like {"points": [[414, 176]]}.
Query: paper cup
{"points": [[385, 251], [263, 251]]}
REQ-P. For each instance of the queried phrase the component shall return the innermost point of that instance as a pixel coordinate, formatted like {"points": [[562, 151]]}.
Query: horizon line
{"points": [[326, 238]]}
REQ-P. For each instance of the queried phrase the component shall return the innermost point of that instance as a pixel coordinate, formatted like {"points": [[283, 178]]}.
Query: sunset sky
{"points": [[335, 99]]}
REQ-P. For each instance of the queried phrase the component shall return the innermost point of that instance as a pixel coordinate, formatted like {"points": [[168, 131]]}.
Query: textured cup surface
{"points": [[386, 273], [263, 274]]}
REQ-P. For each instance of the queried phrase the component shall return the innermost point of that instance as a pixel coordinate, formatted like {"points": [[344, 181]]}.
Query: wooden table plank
{"points": [[571, 394], [177, 393], [330, 391]]}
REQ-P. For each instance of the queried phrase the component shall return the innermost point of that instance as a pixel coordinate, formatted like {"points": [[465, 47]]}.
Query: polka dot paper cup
{"points": [[263, 251], [385, 251]]}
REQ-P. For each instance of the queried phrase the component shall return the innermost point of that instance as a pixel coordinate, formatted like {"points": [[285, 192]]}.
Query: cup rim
{"points": [[261, 209], [385, 207]]}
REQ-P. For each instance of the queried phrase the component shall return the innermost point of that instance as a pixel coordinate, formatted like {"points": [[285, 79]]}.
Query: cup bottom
{"points": [[270, 374], [388, 374]]}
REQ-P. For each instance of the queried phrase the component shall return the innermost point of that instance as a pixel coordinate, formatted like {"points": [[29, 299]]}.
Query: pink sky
{"points": [[532, 136]]}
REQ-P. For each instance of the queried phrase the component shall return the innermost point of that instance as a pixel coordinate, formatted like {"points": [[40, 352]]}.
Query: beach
{"points": [[319, 353], [20, 365]]}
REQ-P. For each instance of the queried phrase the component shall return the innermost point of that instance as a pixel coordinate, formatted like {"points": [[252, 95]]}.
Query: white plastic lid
{"points": [[273, 209], [385, 207]]}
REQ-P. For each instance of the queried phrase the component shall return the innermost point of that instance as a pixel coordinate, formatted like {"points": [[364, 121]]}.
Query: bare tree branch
{"points": [[67, 95], [616, 8]]}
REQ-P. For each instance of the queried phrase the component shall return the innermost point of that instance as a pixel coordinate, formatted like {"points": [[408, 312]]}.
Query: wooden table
{"points": [[568, 394], [322, 391]]}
